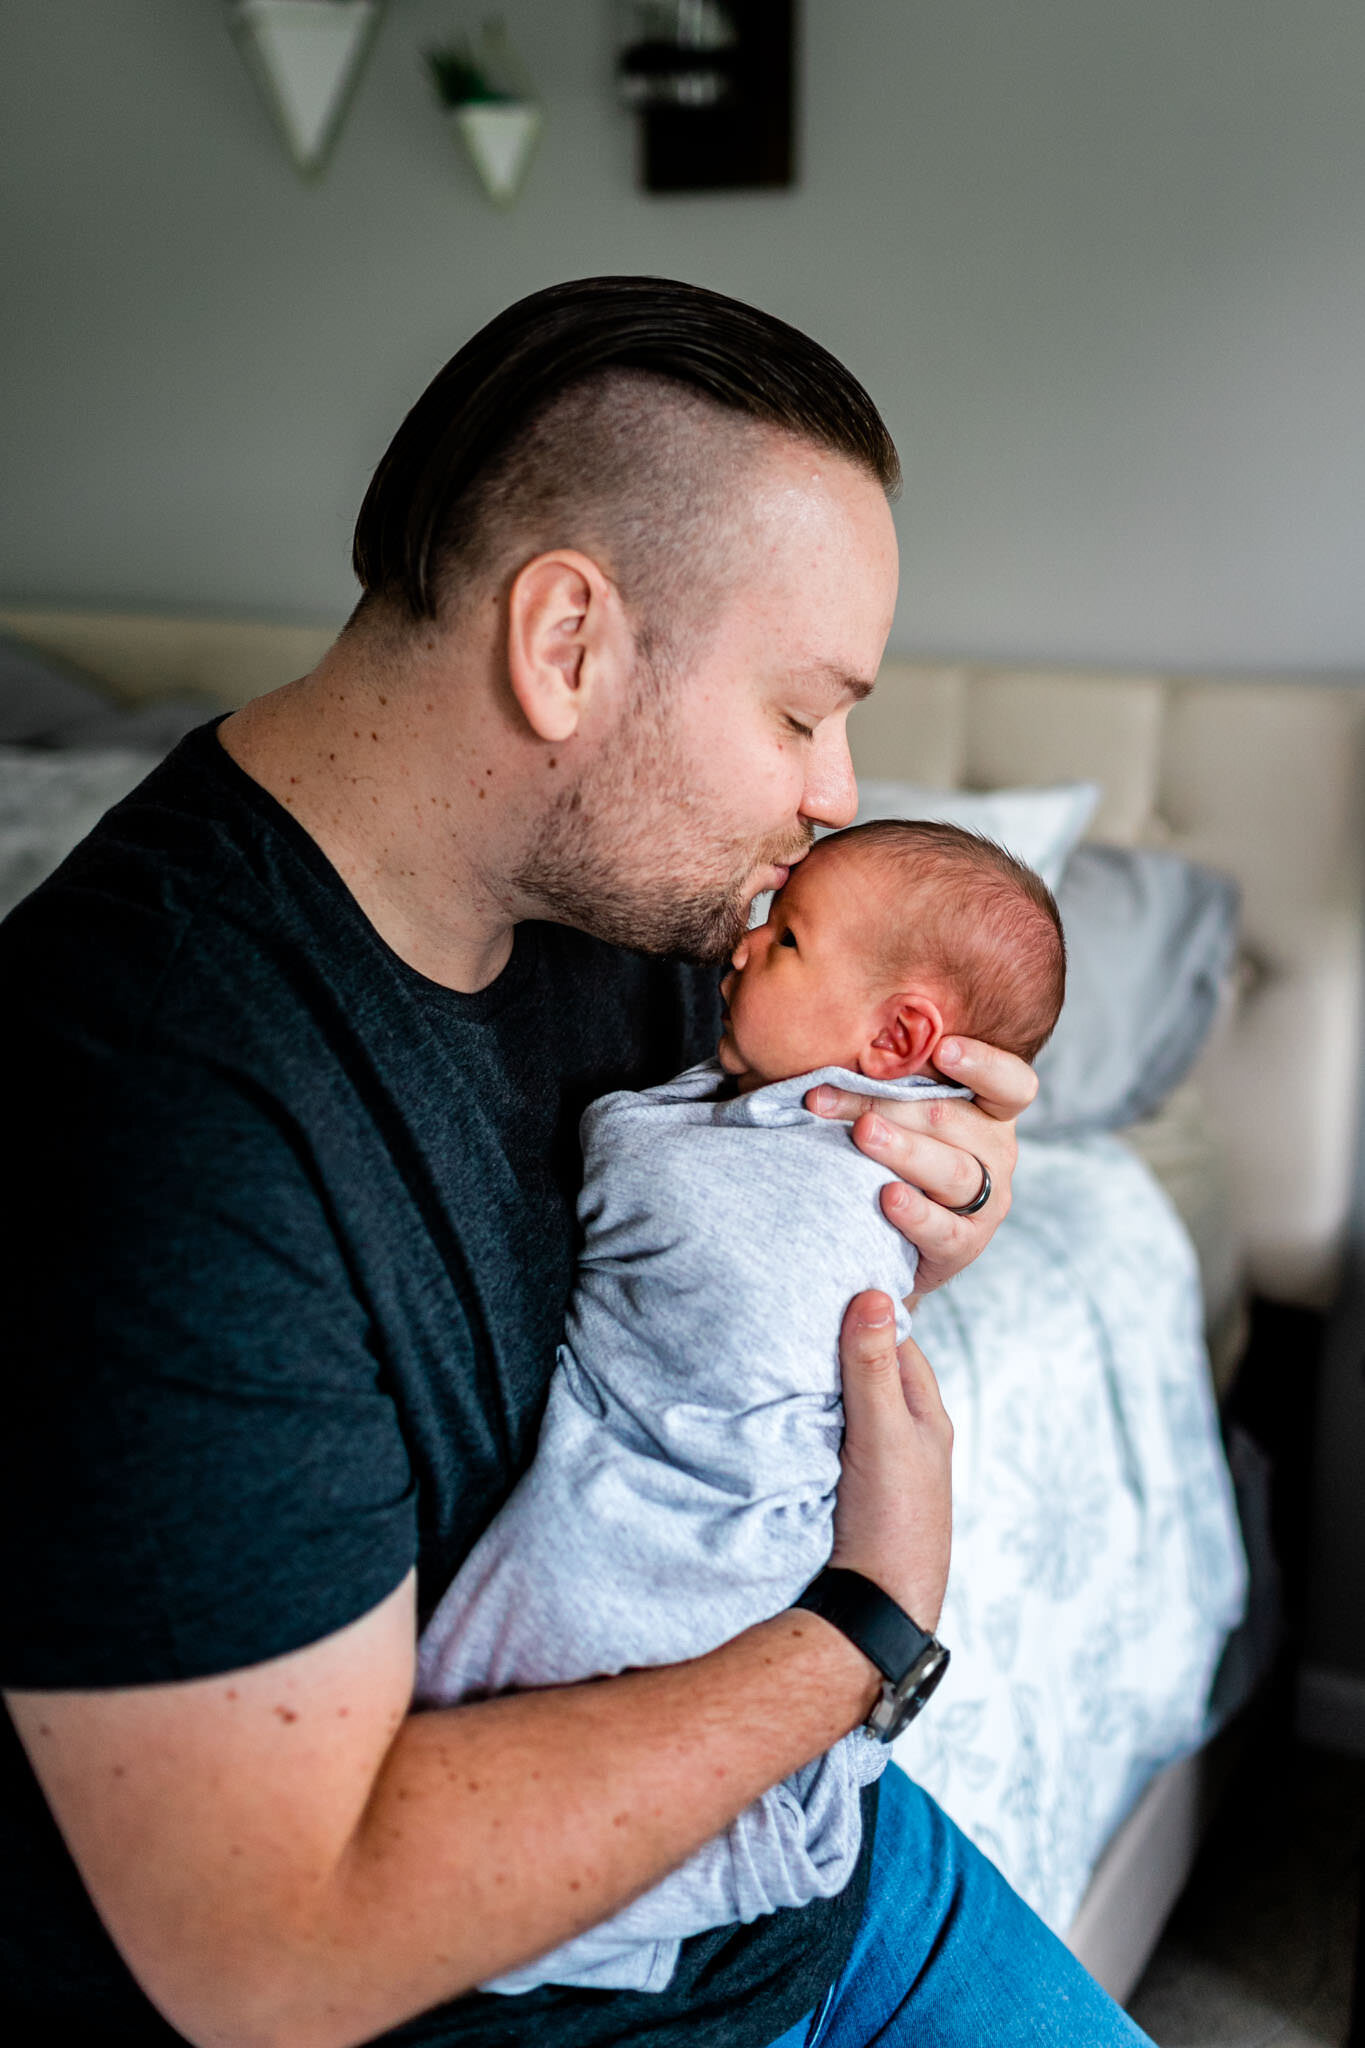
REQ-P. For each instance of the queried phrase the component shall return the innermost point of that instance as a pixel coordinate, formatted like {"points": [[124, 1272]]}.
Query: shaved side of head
{"points": [[647, 476]]}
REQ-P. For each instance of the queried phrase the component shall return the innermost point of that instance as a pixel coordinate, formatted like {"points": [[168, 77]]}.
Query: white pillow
{"points": [[48, 802], [1038, 826]]}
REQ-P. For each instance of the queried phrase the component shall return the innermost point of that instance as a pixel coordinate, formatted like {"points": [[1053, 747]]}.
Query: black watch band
{"points": [[910, 1659]]}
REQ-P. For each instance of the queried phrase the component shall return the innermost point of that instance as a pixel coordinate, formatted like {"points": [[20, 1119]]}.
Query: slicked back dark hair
{"points": [[424, 499]]}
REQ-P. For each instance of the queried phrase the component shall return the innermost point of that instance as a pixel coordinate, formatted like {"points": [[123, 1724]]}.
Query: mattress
{"points": [[1181, 1148]]}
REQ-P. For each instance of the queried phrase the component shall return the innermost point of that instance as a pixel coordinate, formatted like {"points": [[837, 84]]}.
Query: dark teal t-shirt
{"points": [[289, 1242]]}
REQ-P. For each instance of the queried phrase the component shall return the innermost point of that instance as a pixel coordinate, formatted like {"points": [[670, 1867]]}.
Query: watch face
{"points": [[899, 1704]]}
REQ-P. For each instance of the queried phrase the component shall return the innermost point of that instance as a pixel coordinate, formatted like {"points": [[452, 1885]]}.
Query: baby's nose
{"points": [[741, 953]]}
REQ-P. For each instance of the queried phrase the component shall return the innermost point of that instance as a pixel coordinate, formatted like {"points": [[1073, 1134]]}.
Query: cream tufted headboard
{"points": [[1262, 779], [142, 654]]}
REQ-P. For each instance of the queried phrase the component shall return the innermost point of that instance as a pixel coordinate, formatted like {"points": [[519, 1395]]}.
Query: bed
{"points": [[1260, 780], [1083, 1776]]}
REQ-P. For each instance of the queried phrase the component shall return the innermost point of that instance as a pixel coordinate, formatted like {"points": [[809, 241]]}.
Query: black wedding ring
{"points": [[970, 1208]]}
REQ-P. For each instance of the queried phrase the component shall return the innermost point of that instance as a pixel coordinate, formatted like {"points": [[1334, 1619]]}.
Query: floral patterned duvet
{"points": [[1097, 1563]]}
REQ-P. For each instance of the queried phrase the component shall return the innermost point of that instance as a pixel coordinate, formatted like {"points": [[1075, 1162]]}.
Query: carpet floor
{"points": [[1260, 1951]]}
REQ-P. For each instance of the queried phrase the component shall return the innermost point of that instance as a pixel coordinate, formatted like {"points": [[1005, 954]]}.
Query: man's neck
{"points": [[408, 787]]}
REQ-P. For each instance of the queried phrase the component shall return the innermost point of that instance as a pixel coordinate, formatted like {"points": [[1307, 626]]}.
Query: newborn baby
{"points": [[683, 1486]]}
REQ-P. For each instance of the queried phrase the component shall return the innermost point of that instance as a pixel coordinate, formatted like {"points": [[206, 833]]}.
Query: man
{"points": [[302, 1034]]}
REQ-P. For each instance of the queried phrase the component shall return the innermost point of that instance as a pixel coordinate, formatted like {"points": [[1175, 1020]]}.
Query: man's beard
{"points": [[592, 866]]}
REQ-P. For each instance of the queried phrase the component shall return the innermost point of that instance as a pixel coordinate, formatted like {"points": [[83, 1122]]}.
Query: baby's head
{"points": [[887, 939]]}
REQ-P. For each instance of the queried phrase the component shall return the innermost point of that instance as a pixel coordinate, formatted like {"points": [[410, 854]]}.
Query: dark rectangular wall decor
{"points": [[713, 86]]}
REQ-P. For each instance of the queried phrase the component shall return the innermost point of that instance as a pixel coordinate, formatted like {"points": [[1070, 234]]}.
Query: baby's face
{"points": [[798, 995]]}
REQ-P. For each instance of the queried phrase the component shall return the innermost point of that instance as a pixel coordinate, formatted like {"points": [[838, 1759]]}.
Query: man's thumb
{"points": [[867, 1351]]}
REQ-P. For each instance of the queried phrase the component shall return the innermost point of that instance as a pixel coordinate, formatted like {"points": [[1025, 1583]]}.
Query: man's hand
{"points": [[938, 1149], [893, 1518]]}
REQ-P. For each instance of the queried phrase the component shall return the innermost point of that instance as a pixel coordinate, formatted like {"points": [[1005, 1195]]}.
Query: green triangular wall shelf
{"points": [[306, 56], [500, 136]]}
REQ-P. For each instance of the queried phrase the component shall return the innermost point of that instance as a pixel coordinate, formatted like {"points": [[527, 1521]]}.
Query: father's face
{"points": [[719, 774]]}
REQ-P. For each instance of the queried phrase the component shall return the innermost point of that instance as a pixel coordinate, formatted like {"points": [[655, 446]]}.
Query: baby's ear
{"points": [[909, 1030]]}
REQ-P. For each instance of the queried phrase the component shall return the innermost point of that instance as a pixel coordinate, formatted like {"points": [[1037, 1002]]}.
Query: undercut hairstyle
{"points": [[615, 415], [975, 918]]}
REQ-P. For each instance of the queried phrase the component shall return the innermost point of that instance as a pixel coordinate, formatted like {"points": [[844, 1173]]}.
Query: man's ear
{"points": [[567, 637], [910, 1029]]}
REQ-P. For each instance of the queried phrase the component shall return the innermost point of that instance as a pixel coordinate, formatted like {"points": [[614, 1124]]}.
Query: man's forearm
{"points": [[498, 1831], [284, 1855]]}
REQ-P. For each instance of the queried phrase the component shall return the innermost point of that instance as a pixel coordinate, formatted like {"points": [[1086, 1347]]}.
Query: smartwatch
{"points": [[910, 1660]]}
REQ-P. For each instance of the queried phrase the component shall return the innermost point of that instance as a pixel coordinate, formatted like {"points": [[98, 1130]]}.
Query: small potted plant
{"points": [[489, 101]]}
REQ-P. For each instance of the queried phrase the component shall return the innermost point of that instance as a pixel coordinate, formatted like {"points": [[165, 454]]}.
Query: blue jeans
{"points": [[947, 1954]]}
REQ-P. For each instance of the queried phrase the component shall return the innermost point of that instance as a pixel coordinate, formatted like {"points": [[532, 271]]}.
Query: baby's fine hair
{"points": [[980, 920]]}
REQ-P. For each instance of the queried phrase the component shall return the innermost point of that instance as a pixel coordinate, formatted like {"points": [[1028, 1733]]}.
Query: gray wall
{"points": [[1101, 261], [1102, 264]]}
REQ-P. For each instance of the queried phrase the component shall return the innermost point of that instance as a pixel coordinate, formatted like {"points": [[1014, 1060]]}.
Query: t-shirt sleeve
{"points": [[201, 1466]]}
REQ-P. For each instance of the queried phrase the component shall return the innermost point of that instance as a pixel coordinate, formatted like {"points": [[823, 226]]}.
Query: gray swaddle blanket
{"points": [[683, 1486]]}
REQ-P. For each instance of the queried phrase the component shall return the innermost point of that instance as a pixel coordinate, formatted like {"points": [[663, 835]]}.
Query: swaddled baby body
{"points": [[683, 1485]]}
